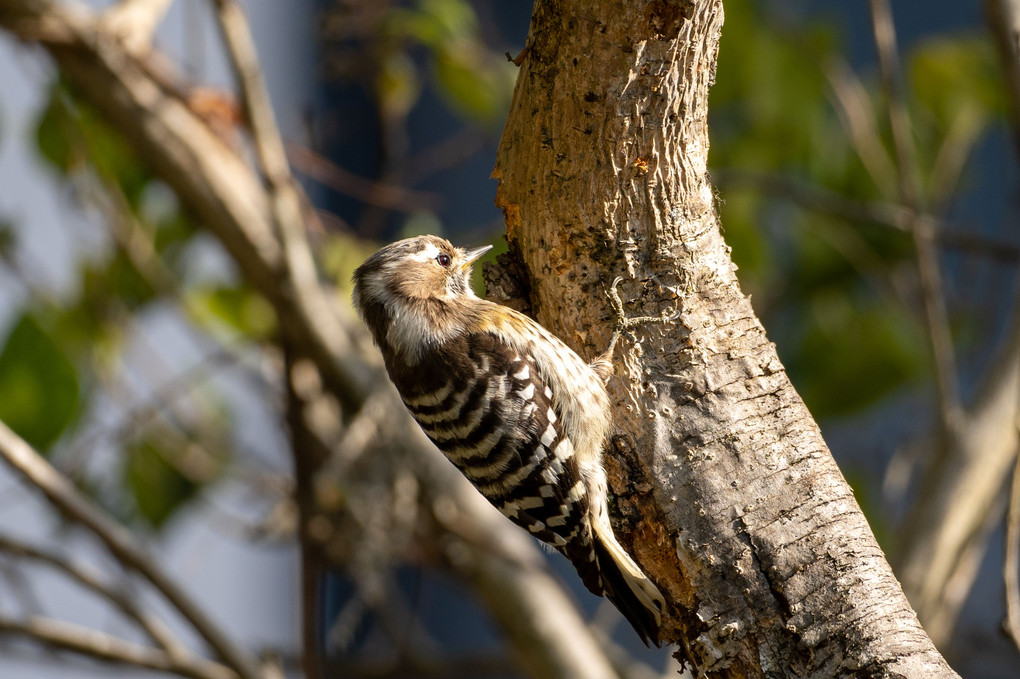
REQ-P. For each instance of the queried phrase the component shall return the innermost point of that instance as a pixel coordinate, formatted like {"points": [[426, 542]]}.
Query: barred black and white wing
{"points": [[490, 411]]}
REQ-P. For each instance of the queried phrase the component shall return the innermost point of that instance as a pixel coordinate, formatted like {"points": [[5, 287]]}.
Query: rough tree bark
{"points": [[731, 498]]}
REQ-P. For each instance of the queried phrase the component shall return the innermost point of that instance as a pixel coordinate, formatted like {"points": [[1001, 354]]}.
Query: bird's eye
{"points": [[443, 259]]}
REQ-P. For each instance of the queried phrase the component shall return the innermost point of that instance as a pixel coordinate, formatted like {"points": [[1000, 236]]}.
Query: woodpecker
{"points": [[518, 412]]}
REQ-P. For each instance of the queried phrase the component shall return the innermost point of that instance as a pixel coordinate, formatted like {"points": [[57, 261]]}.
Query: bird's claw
{"points": [[625, 323]]}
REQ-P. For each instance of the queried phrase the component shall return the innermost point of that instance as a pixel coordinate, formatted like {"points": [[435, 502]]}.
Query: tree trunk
{"points": [[730, 497]]}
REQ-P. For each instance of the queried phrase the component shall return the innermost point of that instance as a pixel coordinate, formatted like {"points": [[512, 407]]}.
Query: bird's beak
{"points": [[471, 255]]}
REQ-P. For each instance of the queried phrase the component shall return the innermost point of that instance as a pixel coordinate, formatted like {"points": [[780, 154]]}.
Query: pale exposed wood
{"points": [[734, 503]]}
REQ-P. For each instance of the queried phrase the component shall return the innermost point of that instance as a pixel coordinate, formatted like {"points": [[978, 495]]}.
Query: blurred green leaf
{"points": [[93, 336], [69, 134], [477, 87], [750, 246], [162, 476], [952, 76], [421, 223], [38, 384], [853, 353], [435, 23], [107, 287], [340, 255], [398, 85], [53, 134], [8, 238], [238, 309], [475, 81]]}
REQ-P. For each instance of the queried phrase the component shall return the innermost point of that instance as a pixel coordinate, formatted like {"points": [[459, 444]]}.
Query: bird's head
{"points": [[420, 268], [415, 289]]}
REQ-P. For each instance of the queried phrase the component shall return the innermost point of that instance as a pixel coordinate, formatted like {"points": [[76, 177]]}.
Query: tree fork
{"points": [[733, 502]]}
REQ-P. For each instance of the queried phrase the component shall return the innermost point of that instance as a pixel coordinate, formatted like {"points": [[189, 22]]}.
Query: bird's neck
{"points": [[408, 329]]}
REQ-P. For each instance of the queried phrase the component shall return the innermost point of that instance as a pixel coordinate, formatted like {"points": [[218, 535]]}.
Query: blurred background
{"points": [[141, 361]]}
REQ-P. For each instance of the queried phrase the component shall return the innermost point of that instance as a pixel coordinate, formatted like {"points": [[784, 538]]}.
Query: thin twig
{"points": [[137, 243], [328, 173], [135, 22], [445, 155], [91, 580], [161, 397], [1011, 562], [952, 155], [1003, 18], [815, 198], [364, 430], [101, 646], [854, 108], [21, 587], [919, 223], [64, 496], [881, 213], [299, 275]]}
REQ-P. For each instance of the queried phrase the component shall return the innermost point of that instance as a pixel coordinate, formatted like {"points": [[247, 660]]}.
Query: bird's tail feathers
{"points": [[627, 586]]}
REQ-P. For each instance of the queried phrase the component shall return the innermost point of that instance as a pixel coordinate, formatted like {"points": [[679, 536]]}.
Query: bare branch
{"points": [[299, 277], [135, 22], [951, 158], [21, 587], [127, 604], [853, 105], [1003, 18], [1011, 562], [94, 644], [888, 214], [389, 196], [919, 224], [75, 506], [960, 492]]}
